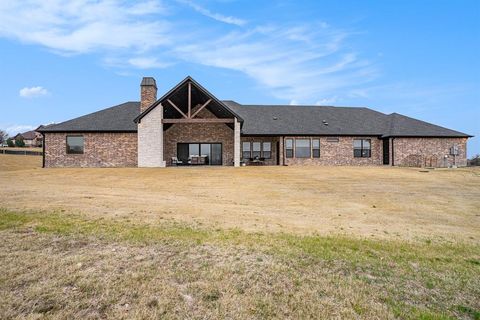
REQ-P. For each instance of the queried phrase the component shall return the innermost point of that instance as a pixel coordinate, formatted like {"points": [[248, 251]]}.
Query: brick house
{"points": [[30, 138], [189, 126]]}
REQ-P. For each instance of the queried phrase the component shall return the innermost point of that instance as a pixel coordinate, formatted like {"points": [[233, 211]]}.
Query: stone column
{"points": [[236, 143], [280, 151], [150, 139]]}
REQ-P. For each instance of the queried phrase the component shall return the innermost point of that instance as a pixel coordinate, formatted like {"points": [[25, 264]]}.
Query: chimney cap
{"points": [[148, 81]]}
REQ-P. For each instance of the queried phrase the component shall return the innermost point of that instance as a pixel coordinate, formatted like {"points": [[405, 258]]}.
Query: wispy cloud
{"points": [[291, 61], [13, 129], [303, 63], [216, 16], [84, 26], [33, 92], [147, 63]]}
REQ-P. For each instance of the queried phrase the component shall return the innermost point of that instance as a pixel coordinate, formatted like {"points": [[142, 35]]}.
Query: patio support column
{"points": [[280, 150], [236, 143]]}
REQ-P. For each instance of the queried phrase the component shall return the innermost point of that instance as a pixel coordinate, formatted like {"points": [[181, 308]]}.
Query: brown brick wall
{"points": [[273, 140], [199, 132], [428, 152], [339, 153], [100, 150], [148, 95]]}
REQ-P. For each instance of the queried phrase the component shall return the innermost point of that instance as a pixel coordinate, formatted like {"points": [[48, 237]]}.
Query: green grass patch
{"points": [[419, 278]]}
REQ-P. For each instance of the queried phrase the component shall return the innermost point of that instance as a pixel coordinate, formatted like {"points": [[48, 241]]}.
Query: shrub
{"points": [[19, 142], [10, 143], [475, 161]]}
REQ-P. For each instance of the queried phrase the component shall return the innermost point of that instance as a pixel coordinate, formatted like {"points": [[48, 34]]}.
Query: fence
{"points": [[21, 152]]}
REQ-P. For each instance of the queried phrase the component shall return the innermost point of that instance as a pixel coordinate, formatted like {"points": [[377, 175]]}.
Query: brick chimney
{"points": [[148, 93]]}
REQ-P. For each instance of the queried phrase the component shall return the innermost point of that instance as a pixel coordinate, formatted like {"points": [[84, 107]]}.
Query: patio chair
{"points": [[176, 162]]}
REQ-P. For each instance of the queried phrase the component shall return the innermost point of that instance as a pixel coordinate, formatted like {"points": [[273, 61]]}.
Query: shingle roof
{"points": [[308, 120], [115, 119], [29, 135], [276, 120], [400, 125]]}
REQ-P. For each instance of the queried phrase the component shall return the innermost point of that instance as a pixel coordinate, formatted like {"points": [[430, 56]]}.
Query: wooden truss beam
{"points": [[208, 120], [201, 107], [189, 100], [178, 109]]}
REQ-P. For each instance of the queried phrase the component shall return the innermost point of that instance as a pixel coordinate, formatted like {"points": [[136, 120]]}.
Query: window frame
{"points": [[287, 149], [309, 148], [315, 148], [68, 150], [364, 151], [256, 153], [269, 151], [249, 150]]}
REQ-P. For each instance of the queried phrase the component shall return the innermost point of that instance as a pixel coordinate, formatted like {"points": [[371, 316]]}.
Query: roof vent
{"points": [[275, 118], [325, 122]]}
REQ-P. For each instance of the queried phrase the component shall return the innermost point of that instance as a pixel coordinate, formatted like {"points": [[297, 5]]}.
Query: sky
{"points": [[63, 59]]}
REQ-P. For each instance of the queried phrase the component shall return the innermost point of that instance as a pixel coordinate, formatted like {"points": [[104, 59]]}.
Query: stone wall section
{"points": [[429, 152], [100, 150]]}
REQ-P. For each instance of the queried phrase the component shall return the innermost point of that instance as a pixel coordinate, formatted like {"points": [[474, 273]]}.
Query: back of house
{"points": [[189, 126]]}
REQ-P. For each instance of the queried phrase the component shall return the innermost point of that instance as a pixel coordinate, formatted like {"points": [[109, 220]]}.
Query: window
{"points": [[246, 150], [256, 149], [361, 148], [75, 144], [302, 148], [289, 148], [267, 150], [316, 148], [193, 150]]}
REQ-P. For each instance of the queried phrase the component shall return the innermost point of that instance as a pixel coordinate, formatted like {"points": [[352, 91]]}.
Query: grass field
{"points": [[370, 243]]}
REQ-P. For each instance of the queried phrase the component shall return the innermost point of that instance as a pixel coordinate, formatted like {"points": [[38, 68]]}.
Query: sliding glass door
{"points": [[200, 153], [216, 158]]}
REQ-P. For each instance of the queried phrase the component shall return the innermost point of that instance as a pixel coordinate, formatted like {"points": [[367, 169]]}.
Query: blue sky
{"points": [[419, 58]]}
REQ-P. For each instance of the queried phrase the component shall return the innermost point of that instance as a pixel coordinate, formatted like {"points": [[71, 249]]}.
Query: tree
{"points": [[475, 161], [10, 143], [3, 136], [19, 142]]}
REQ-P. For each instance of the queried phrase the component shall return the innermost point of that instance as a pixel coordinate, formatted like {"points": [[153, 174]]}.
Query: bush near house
{"points": [[475, 161], [19, 142], [10, 143]]}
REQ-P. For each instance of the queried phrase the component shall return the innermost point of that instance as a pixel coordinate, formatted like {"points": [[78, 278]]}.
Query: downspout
{"points": [[393, 154], [43, 150]]}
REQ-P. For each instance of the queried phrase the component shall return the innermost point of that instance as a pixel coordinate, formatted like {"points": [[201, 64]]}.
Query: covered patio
{"points": [[189, 126]]}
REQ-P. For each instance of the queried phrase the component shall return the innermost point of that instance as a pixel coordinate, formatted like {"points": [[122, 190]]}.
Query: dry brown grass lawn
{"points": [[272, 242], [398, 203]]}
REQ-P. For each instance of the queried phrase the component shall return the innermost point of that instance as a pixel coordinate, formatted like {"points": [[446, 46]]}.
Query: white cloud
{"points": [[83, 26], [33, 92], [13, 129], [327, 101], [147, 63], [216, 16], [302, 62]]}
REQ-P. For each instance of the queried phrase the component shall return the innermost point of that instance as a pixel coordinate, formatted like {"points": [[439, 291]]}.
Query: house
{"points": [[30, 138], [189, 125]]}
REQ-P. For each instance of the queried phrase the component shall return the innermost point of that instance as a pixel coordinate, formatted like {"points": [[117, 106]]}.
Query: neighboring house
{"points": [[30, 138], [189, 125]]}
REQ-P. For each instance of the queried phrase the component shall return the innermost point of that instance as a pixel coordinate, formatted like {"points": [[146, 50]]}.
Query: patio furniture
{"points": [[176, 162]]}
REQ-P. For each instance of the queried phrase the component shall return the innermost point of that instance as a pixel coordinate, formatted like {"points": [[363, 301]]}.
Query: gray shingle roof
{"points": [[114, 119], [276, 120], [400, 125], [309, 120]]}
